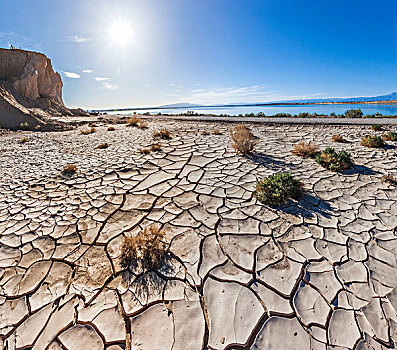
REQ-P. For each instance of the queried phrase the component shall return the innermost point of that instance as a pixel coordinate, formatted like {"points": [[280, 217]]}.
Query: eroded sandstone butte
{"points": [[30, 90]]}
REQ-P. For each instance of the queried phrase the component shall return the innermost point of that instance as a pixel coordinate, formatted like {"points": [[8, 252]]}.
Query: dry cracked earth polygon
{"points": [[317, 274]]}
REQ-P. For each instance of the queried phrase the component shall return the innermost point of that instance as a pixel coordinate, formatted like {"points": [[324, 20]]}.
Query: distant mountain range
{"points": [[183, 105], [389, 97]]}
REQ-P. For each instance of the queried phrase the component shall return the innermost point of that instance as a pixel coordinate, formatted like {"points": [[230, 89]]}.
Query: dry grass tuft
{"points": [[93, 125], [88, 131], [216, 132], [243, 139], [162, 134], [389, 179], [143, 125], [305, 150], [204, 132], [69, 169], [155, 147], [111, 128], [146, 248], [134, 121], [338, 138], [145, 150], [103, 145], [23, 140]]}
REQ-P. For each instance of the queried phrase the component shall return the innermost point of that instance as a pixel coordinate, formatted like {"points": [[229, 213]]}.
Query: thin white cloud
{"points": [[110, 86], [246, 94], [77, 39], [71, 75], [101, 79], [87, 71], [148, 85]]}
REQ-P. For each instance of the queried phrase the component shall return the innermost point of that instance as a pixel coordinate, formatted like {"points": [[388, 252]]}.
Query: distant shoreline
{"points": [[391, 102]]}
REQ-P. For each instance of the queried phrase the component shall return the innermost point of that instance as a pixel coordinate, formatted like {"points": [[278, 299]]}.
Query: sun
{"points": [[120, 32]]}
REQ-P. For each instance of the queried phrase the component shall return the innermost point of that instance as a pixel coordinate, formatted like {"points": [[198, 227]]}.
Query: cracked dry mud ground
{"points": [[318, 274]]}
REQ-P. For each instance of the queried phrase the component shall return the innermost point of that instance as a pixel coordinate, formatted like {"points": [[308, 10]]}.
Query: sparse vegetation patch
{"points": [[277, 189], [103, 145], [147, 249], [389, 179], [376, 127], [243, 139], [155, 147], [372, 141], [305, 149], [390, 136], [69, 169], [338, 138], [334, 161], [88, 131], [134, 121], [162, 134]]}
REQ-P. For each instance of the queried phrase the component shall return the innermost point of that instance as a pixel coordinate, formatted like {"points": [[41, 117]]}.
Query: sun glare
{"points": [[120, 33]]}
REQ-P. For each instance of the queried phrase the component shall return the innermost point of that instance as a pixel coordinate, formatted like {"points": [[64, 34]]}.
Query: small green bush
{"points": [[376, 127], [353, 113], [372, 141], [24, 126], [277, 189], [334, 161], [390, 136]]}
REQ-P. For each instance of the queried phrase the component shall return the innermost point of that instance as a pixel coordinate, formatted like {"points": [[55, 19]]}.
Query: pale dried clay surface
{"points": [[317, 274]]}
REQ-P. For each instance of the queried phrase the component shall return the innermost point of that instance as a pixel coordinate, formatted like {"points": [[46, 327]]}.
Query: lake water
{"points": [[271, 110]]}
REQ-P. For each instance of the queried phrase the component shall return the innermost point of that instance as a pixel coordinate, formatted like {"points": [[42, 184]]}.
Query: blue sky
{"points": [[145, 53]]}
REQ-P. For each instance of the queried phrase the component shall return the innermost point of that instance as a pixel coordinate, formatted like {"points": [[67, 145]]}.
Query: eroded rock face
{"points": [[30, 74], [30, 91]]}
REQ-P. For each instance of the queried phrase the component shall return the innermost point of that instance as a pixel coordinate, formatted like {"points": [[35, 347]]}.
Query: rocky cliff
{"points": [[30, 90]]}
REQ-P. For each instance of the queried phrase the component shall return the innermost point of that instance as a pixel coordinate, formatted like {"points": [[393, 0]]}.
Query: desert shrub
{"points": [[111, 128], [277, 189], [334, 161], [69, 169], [305, 149], [143, 125], [353, 113], [205, 133], [24, 126], [134, 121], [376, 127], [304, 115], [338, 138], [155, 147], [88, 131], [390, 136], [282, 115], [92, 125], [144, 150], [103, 145], [216, 132], [243, 139], [372, 141], [162, 134], [147, 249], [23, 140], [389, 179]]}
